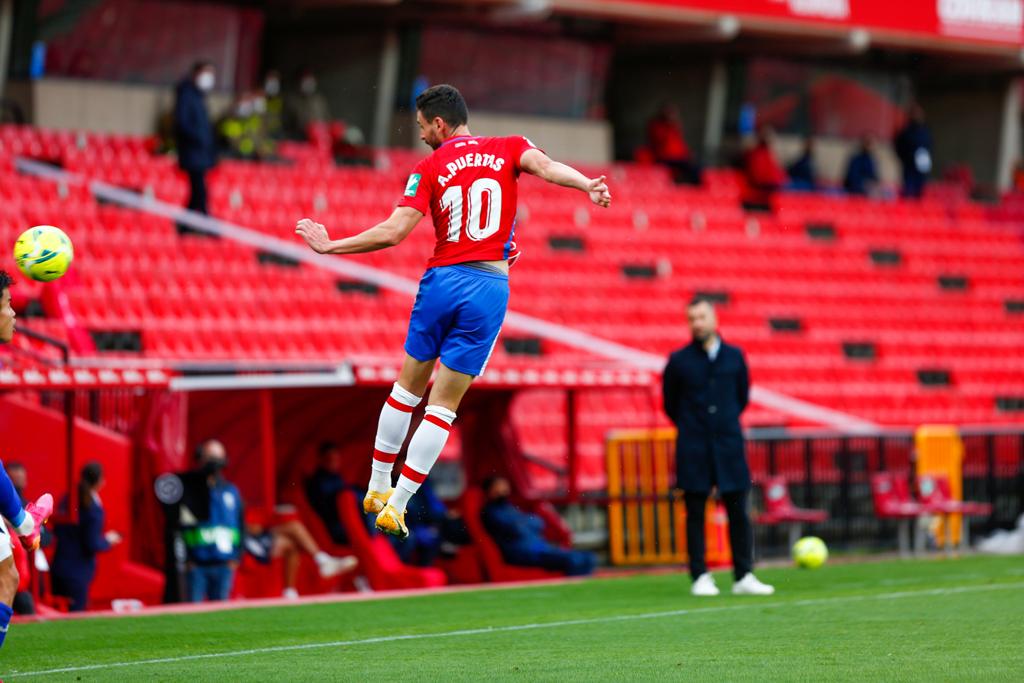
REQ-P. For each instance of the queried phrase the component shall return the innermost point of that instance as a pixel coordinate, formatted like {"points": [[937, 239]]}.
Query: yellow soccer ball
{"points": [[44, 253], [810, 552]]}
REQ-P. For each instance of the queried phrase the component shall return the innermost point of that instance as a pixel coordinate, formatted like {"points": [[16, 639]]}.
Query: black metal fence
{"points": [[832, 473]]}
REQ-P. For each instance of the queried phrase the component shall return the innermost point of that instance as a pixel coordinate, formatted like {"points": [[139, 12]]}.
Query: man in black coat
{"points": [[193, 133], [705, 388], [914, 148]]}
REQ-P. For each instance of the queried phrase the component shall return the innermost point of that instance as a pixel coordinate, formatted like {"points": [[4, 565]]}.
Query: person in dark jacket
{"points": [[914, 149], [212, 525], [520, 535], [861, 171], [324, 486], [74, 563], [193, 133], [434, 530], [803, 174], [706, 387]]}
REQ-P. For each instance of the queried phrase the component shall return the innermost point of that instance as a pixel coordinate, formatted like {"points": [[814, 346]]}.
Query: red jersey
{"points": [[469, 186]]}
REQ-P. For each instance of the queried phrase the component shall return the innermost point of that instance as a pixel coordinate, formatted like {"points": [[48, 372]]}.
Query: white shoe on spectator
{"points": [[290, 594], [749, 585], [333, 566], [704, 585]]}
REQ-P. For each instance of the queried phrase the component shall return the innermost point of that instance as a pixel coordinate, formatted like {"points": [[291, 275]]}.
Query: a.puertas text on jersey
{"points": [[472, 159]]}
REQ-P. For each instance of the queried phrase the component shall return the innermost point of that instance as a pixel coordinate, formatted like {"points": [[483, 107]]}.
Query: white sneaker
{"points": [[749, 585], [704, 586], [333, 566], [290, 594]]}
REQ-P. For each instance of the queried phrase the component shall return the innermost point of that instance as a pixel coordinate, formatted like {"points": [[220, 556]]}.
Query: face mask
{"points": [[245, 109], [213, 468], [272, 86], [308, 86], [259, 105], [206, 81]]}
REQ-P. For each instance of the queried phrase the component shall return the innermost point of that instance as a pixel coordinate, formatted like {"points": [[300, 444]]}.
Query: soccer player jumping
{"points": [[27, 521], [469, 186]]}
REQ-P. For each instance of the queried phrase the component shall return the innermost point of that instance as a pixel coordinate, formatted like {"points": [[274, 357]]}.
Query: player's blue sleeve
{"points": [[10, 501]]}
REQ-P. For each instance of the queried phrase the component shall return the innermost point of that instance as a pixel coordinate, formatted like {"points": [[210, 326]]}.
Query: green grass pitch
{"points": [[928, 620]]}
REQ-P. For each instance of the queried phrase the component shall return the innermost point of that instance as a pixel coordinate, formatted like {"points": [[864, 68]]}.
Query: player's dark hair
{"points": [[444, 101], [700, 299], [326, 447], [200, 65], [13, 465], [92, 472], [5, 281]]}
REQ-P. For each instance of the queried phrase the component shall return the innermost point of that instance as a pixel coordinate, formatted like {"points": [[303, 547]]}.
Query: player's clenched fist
{"points": [[315, 235], [599, 193]]}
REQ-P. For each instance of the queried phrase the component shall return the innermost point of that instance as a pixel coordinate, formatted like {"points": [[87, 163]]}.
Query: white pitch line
{"points": [[754, 604]]}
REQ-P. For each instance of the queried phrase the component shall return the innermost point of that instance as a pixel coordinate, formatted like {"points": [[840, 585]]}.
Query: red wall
{"points": [[35, 436]]}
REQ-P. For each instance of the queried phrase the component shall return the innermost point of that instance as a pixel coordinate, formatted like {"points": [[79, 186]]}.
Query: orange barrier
{"points": [[646, 514], [941, 452]]}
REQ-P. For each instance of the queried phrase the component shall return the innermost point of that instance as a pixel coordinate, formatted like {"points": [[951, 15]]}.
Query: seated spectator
{"points": [[802, 172], [74, 563], [761, 168], [323, 488], [210, 518], [242, 131], [304, 107], [668, 145], [433, 529], [274, 117], [520, 535], [288, 539], [861, 171]]}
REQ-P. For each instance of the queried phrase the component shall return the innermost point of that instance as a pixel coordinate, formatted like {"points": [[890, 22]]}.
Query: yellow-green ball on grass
{"points": [[810, 552]]}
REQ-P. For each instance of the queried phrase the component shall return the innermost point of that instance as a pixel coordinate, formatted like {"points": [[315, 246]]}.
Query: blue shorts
{"points": [[457, 316]]}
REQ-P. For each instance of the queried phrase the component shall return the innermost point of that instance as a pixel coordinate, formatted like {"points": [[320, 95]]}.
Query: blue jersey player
{"points": [[27, 521]]}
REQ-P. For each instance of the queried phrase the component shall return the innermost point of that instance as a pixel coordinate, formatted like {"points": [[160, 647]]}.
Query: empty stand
{"points": [[875, 285]]}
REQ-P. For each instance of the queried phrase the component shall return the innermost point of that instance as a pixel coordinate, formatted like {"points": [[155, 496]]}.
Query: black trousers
{"points": [[741, 533], [197, 198]]}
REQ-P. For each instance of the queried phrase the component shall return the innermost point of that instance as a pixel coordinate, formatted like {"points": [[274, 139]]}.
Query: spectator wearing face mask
{"points": [[211, 520], [193, 133], [274, 117], [305, 107]]}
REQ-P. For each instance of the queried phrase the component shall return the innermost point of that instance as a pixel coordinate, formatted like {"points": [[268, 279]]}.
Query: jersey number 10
{"points": [[477, 227]]}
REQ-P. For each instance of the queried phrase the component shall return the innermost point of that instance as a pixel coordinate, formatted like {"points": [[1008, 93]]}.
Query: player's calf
{"points": [[392, 429], [8, 588], [424, 449]]}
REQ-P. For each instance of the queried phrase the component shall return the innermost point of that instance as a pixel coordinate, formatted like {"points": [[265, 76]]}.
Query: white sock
{"points": [[391, 431], [321, 557], [427, 443]]}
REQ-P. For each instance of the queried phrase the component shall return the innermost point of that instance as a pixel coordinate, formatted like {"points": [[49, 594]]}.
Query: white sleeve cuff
{"points": [[27, 526]]}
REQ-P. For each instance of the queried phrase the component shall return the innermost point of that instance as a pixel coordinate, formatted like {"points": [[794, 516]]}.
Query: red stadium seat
{"points": [[779, 509], [494, 564]]}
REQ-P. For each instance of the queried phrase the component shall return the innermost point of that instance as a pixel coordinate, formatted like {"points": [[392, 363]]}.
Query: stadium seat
{"points": [[934, 491], [495, 567], [377, 558], [890, 494], [779, 509]]}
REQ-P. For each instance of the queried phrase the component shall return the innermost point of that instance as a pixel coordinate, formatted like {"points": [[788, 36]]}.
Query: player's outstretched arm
{"points": [[381, 236], [536, 162]]}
